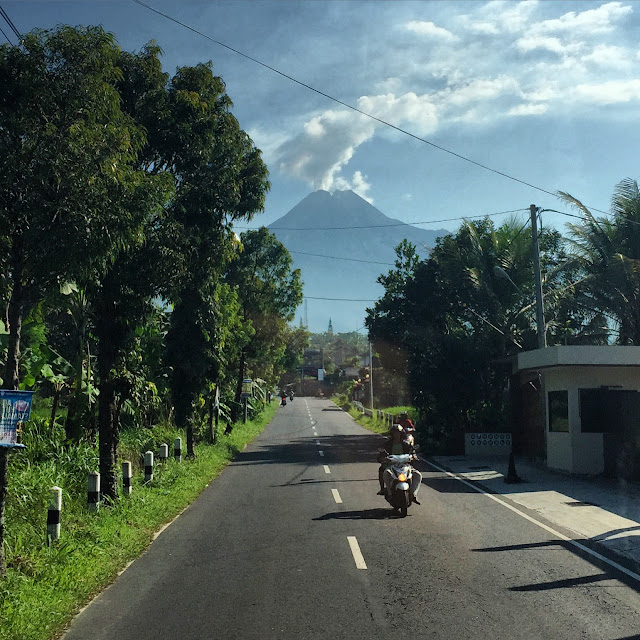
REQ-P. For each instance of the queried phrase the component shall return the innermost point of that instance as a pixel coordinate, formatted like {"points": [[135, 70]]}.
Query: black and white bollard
{"points": [[177, 449], [93, 492], [163, 452], [148, 466], [126, 478], [53, 514]]}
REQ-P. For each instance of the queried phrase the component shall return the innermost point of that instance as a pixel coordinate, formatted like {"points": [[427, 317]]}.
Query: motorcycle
{"points": [[402, 472], [291, 396], [283, 402]]}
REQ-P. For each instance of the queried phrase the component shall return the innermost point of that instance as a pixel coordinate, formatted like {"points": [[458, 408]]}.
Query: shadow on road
{"points": [[611, 573], [365, 514], [343, 449]]}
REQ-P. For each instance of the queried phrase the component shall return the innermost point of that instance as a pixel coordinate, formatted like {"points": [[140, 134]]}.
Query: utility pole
{"points": [[371, 375], [535, 249]]}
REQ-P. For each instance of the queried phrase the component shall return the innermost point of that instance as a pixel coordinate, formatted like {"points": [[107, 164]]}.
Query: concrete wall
{"points": [[575, 451]]}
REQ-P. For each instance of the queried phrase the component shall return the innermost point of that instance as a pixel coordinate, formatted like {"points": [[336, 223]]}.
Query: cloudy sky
{"points": [[546, 92]]}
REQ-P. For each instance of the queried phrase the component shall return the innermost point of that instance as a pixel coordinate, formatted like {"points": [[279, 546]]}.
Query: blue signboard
{"points": [[15, 408]]}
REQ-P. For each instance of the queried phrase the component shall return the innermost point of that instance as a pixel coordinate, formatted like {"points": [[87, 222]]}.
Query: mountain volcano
{"points": [[341, 244]]}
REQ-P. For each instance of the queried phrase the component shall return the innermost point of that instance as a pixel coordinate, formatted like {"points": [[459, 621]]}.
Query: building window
{"points": [[558, 411]]}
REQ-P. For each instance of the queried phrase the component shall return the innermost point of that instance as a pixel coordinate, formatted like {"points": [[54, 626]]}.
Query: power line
{"points": [[12, 26], [342, 299], [384, 226], [318, 255], [349, 106]]}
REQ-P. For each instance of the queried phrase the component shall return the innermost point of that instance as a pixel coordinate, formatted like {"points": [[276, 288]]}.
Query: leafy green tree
{"points": [[221, 179], [269, 291], [607, 252], [66, 149]]}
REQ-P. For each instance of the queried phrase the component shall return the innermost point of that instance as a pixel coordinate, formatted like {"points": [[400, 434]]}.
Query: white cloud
{"points": [[611, 92], [429, 29], [547, 43], [528, 109], [474, 83], [591, 21], [609, 56], [326, 143], [481, 90], [358, 184], [499, 16], [419, 111]]}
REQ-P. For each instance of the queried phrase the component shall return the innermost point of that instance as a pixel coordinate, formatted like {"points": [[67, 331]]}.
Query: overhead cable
{"points": [[384, 226], [343, 299], [318, 255], [349, 106], [12, 26]]}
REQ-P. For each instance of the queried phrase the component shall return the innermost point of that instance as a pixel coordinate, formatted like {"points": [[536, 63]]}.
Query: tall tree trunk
{"points": [[75, 413], [107, 426]]}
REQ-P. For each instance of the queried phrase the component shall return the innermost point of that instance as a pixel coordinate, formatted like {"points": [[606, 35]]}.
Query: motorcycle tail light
{"points": [[402, 478]]}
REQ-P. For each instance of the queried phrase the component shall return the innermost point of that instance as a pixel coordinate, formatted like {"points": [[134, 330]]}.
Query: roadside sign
{"points": [[247, 388], [15, 408]]}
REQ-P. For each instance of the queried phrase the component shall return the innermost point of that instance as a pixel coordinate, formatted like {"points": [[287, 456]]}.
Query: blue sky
{"points": [[545, 91]]}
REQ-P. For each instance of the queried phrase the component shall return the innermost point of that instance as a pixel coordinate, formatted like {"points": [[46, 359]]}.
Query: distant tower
{"points": [[330, 329]]}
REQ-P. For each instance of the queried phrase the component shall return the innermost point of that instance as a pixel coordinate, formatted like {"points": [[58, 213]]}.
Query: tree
{"points": [[607, 251], [269, 291], [221, 179], [65, 161]]}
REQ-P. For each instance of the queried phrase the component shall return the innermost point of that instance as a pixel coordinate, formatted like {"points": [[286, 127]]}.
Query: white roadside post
{"points": [[177, 449], [148, 466], [126, 478], [53, 514], [93, 491], [163, 452]]}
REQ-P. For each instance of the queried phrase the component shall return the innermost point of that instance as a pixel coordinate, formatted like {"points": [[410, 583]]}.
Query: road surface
{"points": [[292, 542]]}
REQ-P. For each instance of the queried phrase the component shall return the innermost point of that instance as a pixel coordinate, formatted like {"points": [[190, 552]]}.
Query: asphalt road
{"points": [[270, 551]]}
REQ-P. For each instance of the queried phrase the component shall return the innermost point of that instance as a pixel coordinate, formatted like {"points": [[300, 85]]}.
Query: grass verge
{"points": [[373, 424], [47, 585]]}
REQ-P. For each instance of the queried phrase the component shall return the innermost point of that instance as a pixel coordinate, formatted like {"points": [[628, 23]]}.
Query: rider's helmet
{"points": [[404, 414]]}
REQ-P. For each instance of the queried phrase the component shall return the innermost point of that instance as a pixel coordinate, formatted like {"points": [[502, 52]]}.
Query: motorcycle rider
{"points": [[397, 444], [407, 425]]}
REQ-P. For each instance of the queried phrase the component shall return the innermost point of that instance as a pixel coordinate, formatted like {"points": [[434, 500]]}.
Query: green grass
{"points": [[373, 424], [47, 585]]}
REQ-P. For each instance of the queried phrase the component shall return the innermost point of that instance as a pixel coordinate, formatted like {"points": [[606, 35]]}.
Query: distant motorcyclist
{"points": [[406, 423], [397, 444]]}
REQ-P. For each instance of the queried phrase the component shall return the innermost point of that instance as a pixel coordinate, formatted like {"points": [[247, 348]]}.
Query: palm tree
{"points": [[608, 253]]}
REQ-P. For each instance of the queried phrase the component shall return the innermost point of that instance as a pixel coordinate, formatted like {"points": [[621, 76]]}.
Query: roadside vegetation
{"points": [[447, 325], [130, 307], [48, 584]]}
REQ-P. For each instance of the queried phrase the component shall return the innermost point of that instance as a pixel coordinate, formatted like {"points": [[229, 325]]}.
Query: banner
{"points": [[15, 408]]}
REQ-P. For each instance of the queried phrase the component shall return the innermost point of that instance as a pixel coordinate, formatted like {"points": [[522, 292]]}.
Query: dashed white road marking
{"points": [[357, 554], [548, 529], [318, 442], [336, 496], [321, 454], [326, 468]]}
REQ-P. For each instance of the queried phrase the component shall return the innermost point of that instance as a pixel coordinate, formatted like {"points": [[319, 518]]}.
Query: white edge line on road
{"points": [[326, 468], [575, 543], [357, 554], [336, 496]]}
